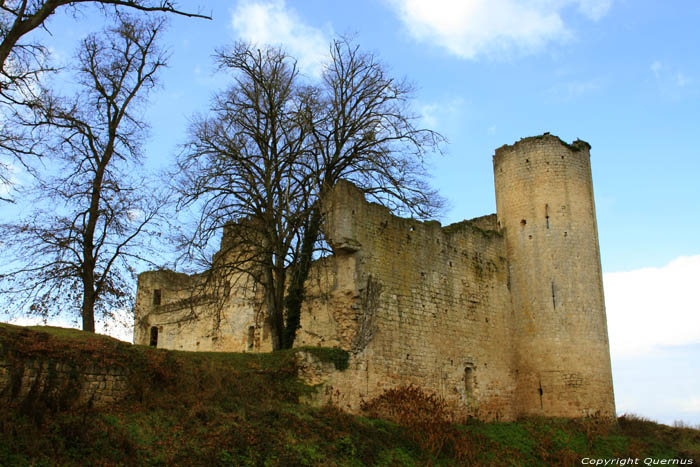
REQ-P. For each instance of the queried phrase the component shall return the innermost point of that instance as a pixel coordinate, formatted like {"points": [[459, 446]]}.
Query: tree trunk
{"points": [[274, 299], [88, 308], [295, 292]]}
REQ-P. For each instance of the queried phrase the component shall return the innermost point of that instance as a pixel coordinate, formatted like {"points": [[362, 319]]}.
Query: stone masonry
{"points": [[95, 386], [502, 315]]}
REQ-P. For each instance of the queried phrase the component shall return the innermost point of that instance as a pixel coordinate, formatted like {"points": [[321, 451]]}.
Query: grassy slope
{"points": [[242, 409]]}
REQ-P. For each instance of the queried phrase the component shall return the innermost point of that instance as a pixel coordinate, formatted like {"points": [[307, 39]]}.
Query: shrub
{"points": [[428, 419]]}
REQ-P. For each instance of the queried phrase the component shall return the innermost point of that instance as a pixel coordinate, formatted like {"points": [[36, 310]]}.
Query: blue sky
{"points": [[623, 75]]}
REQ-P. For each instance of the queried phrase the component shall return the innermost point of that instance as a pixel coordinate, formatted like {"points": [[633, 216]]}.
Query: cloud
{"points": [[682, 80], [271, 22], [439, 115], [572, 90], [652, 308], [670, 80], [472, 28], [691, 404], [594, 9]]}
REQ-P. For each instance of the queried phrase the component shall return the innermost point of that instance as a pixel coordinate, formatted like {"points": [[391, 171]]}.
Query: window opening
{"points": [[154, 337], [251, 337], [156, 297]]}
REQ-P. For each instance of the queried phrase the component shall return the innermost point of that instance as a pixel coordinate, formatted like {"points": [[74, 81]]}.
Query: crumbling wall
{"points": [[188, 315], [425, 305]]}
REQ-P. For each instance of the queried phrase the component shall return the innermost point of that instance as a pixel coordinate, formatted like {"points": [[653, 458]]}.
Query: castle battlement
{"points": [[502, 315]]}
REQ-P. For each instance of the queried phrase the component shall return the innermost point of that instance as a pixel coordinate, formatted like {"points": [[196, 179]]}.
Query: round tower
{"points": [[544, 198]]}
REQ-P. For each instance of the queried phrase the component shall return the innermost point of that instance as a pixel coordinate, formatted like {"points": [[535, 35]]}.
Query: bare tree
{"points": [[242, 163], [275, 146], [75, 247], [23, 62]]}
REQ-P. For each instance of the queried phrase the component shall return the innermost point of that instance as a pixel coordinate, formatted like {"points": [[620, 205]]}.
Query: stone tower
{"points": [[544, 198]]}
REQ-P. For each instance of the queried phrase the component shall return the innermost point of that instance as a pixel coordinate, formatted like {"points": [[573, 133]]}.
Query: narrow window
{"points": [[546, 214], [156, 297], [154, 337], [554, 299], [251, 337], [469, 380]]}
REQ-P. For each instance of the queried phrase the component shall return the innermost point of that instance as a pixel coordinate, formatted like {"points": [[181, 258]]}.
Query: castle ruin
{"points": [[503, 315]]}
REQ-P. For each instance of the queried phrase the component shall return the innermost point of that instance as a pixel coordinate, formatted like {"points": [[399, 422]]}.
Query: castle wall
{"points": [[189, 318], [544, 196], [502, 315], [429, 306]]}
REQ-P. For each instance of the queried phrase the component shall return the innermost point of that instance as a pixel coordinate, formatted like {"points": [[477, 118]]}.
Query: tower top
{"points": [[576, 146]]}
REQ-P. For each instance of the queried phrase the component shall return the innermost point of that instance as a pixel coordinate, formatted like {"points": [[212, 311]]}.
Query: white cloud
{"points": [[682, 80], [472, 28], [594, 9], [670, 80], [271, 22], [652, 308], [572, 90], [438, 115], [690, 405]]}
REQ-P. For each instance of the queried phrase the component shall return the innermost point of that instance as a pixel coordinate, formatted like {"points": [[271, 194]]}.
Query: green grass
{"points": [[226, 409]]}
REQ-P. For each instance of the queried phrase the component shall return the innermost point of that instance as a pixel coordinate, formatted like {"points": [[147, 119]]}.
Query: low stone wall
{"points": [[61, 383]]}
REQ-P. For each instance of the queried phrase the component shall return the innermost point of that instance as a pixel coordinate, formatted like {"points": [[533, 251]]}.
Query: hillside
{"points": [[158, 407]]}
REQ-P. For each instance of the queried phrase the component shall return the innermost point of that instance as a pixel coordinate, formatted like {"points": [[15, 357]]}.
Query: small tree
{"points": [[75, 247], [275, 146]]}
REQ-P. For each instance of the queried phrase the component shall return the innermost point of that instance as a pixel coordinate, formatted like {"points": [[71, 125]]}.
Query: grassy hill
{"points": [[222, 409]]}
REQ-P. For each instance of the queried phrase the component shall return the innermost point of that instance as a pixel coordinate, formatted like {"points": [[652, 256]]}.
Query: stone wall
{"points": [[61, 382], [187, 315], [425, 305]]}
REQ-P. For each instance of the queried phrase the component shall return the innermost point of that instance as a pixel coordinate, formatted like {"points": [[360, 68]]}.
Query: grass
{"points": [[224, 409]]}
